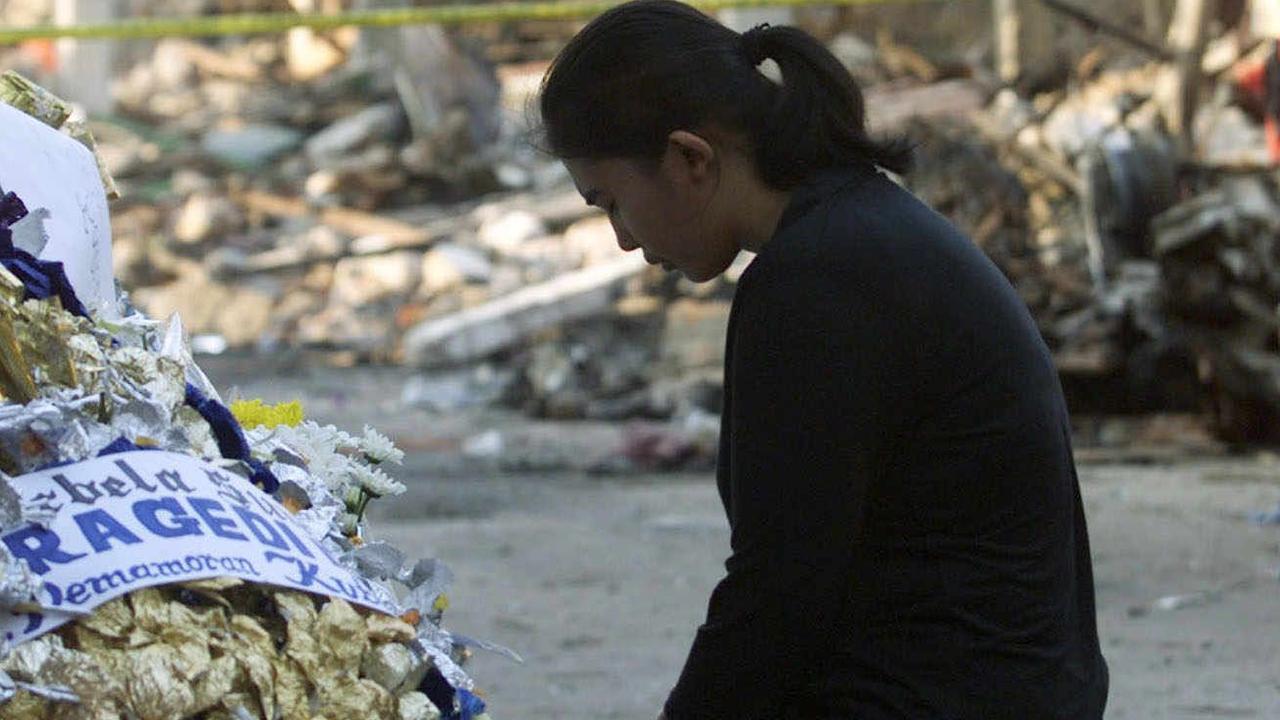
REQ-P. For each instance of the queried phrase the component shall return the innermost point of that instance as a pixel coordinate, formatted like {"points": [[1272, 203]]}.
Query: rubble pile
{"points": [[253, 173], [1218, 256], [1150, 272]]}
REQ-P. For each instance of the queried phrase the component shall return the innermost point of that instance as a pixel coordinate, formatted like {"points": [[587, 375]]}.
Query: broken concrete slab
{"points": [[382, 121], [250, 146], [360, 281], [503, 323], [449, 265]]}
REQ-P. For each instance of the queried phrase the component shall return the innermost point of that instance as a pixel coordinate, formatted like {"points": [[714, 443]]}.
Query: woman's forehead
{"points": [[593, 176]]}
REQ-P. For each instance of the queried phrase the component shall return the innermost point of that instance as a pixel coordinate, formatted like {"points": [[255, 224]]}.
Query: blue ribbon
{"points": [[453, 703], [120, 445], [231, 441], [11, 209], [41, 278], [469, 705]]}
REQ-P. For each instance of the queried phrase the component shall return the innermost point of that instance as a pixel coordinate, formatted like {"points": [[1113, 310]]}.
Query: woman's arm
{"points": [[815, 382]]}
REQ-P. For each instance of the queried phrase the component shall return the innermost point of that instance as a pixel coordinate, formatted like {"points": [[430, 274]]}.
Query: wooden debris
{"points": [[503, 323], [1188, 34], [351, 222]]}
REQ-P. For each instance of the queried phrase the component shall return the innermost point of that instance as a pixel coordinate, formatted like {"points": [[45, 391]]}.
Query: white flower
{"points": [[378, 448], [325, 438], [342, 441], [333, 470], [377, 483], [312, 442]]}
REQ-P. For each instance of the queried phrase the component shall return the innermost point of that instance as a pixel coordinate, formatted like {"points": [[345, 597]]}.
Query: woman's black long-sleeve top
{"points": [[908, 538]]}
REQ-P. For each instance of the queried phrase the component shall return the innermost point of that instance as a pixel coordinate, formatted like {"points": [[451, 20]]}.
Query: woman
{"points": [[907, 534]]}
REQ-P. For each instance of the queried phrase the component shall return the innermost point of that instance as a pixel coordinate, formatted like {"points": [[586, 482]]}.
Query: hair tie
{"points": [[751, 44]]}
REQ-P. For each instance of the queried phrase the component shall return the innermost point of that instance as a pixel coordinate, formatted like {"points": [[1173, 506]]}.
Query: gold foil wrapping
{"points": [[387, 629], [30, 98], [45, 331], [40, 343], [11, 288], [16, 382], [223, 648], [25, 706], [416, 706]]}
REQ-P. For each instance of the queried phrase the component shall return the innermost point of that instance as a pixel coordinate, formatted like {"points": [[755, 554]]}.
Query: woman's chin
{"points": [[697, 276]]}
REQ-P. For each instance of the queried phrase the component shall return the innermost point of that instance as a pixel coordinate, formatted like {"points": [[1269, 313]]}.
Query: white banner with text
{"points": [[139, 519]]}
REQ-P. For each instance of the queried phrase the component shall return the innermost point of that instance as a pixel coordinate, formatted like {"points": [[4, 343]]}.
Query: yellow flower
{"points": [[253, 413]]}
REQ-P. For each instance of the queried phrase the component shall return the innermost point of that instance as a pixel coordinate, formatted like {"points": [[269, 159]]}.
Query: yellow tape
{"points": [[257, 23]]}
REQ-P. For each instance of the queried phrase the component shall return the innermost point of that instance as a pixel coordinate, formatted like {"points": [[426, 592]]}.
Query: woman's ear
{"points": [[690, 156]]}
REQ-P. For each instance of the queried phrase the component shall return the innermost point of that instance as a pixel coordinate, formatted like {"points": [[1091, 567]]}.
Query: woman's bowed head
{"points": [[666, 123]]}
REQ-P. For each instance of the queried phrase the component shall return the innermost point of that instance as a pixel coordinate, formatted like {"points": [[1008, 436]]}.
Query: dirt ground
{"points": [[600, 581]]}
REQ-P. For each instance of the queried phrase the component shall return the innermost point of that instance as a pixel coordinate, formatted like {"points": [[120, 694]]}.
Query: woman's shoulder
{"points": [[857, 223], [870, 243]]}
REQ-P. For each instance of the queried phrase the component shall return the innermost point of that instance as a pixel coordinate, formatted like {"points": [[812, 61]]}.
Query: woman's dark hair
{"points": [[648, 67]]}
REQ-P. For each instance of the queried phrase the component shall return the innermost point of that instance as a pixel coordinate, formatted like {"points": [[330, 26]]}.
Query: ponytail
{"points": [[816, 117], [648, 67]]}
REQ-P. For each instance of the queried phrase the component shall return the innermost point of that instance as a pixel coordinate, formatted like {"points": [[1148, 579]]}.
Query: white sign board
{"points": [[145, 518], [50, 170]]}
